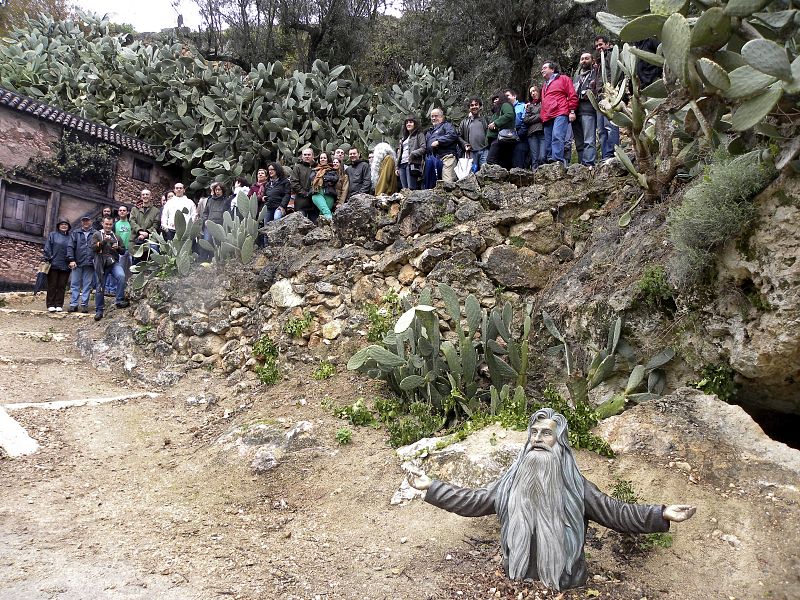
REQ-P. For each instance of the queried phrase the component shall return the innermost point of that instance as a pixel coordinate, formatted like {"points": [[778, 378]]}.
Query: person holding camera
{"points": [[107, 247], [585, 123]]}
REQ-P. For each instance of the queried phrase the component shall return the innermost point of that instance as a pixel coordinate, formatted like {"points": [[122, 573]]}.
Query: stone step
{"points": [[59, 404], [14, 440]]}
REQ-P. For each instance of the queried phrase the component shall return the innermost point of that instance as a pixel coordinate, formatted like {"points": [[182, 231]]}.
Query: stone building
{"points": [[32, 201]]}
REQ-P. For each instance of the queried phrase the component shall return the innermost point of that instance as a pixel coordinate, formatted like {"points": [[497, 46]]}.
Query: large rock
{"points": [[491, 174], [288, 231], [541, 234], [718, 441], [264, 444], [518, 268], [283, 296], [463, 273], [762, 343], [356, 220], [421, 210]]}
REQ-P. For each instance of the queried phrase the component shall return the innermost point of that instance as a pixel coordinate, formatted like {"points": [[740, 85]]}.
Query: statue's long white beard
{"points": [[536, 507]]}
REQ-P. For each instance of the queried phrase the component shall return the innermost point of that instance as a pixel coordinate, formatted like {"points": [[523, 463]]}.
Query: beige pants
{"points": [[449, 168]]}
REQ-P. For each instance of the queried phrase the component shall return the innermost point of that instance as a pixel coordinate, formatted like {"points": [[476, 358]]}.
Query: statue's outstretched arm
{"points": [[678, 512]]}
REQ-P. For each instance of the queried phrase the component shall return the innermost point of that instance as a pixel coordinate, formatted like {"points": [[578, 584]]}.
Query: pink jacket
{"points": [[558, 98]]}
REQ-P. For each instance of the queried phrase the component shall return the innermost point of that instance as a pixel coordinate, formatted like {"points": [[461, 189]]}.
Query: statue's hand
{"points": [[417, 479], [678, 512]]}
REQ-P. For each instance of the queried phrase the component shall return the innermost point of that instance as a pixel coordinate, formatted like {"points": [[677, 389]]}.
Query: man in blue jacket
{"points": [[81, 261], [441, 142]]}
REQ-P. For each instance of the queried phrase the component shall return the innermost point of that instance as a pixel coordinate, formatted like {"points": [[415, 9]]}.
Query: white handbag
{"points": [[464, 166]]}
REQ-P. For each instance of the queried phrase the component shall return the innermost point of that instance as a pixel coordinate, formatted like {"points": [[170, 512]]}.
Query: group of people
{"points": [[514, 134]]}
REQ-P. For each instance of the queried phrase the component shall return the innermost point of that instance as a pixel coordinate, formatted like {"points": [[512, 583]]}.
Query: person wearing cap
{"points": [[107, 247], [81, 262], [55, 252]]}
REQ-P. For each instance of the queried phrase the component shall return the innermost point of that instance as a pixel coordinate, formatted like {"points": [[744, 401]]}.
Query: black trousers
{"points": [[56, 285]]}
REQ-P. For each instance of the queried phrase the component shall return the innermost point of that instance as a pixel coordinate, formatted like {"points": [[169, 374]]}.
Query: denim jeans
{"points": [[80, 284], [584, 130], [116, 271], [479, 158], [536, 149], [407, 180], [609, 135], [555, 134], [520, 156]]}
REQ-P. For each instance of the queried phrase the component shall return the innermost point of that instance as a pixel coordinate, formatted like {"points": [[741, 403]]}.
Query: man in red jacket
{"points": [[559, 102]]}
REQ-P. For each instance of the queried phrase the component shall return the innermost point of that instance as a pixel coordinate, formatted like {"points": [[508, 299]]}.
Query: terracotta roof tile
{"points": [[46, 112]]}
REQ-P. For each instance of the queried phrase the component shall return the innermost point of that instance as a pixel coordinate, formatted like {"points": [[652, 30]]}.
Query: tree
{"points": [[13, 12]]}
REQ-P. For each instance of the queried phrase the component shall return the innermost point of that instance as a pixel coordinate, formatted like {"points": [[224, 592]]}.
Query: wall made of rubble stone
{"points": [[23, 138], [127, 189], [19, 263]]}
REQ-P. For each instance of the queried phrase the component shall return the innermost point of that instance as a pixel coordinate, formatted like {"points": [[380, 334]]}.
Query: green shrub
{"points": [[140, 335], [382, 316], [419, 422], [357, 413], [344, 435], [325, 370], [265, 348], [623, 491], [718, 208], [654, 291], [296, 326], [718, 380], [268, 373]]}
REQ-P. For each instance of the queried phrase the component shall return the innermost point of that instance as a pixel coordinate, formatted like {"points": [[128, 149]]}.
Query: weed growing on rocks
{"points": [[296, 326], [325, 370], [140, 335], [382, 316], [357, 413], [581, 421], [266, 351], [717, 380], [268, 373], [447, 220], [265, 348], [718, 208], [653, 290]]}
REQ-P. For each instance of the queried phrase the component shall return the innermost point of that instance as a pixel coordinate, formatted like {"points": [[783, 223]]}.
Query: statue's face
{"points": [[543, 432]]}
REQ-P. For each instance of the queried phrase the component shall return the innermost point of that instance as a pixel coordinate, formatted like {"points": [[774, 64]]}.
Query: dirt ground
{"points": [[135, 499]]}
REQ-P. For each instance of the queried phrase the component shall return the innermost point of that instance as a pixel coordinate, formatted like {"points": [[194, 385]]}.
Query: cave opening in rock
{"points": [[781, 427]]}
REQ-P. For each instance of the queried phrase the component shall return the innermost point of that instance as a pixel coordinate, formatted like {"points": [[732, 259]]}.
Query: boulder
{"points": [[356, 220], [288, 231], [518, 268], [429, 258], [206, 345], [466, 240], [541, 234], [332, 329], [421, 210], [469, 187], [468, 210], [283, 296], [491, 174], [521, 177], [265, 443], [319, 235], [462, 272], [550, 172]]}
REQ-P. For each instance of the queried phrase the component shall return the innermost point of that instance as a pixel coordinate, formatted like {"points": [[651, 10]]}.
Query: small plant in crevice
{"points": [[344, 435], [653, 291], [265, 348], [297, 326], [268, 373], [717, 380], [140, 335], [357, 413], [624, 491], [447, 220], [325, 370], [382, 316], [517, 241]]}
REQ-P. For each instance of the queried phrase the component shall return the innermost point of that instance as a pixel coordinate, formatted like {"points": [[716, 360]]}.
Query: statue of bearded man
{"points": [[544, 505]]}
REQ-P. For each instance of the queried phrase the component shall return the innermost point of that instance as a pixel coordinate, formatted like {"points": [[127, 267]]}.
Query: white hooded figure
{"points": [[383, 169]]}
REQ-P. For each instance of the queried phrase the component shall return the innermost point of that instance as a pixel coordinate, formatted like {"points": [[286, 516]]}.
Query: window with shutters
{"points": [[142, 170], [24, 209]]}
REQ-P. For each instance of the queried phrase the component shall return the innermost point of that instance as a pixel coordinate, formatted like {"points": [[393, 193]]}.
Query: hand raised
{"points": [[678, 512], [417, 479]]}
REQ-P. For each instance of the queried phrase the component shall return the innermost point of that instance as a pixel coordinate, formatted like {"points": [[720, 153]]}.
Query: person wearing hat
{"points": [[55, 253], [81, 260]]}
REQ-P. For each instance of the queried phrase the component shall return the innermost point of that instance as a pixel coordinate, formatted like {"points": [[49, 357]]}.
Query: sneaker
{"points": [[72, 308], [98, 316], [123, 304], [84, 308], [59, 309], [51, 309]]}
